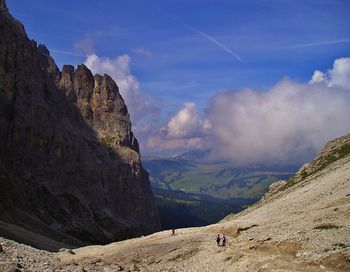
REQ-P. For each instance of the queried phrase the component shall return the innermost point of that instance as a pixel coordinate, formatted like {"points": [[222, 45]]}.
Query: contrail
{"points": [[321, 43], [208, 37], [66, 53], [215, 42]]}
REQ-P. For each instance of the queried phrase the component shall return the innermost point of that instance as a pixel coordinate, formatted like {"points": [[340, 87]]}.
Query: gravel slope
{"points": [[303, 228]]}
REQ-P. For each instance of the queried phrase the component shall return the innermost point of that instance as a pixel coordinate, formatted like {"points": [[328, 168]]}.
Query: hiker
{"points": [[218, 240], [172, 231], [224, 240]]}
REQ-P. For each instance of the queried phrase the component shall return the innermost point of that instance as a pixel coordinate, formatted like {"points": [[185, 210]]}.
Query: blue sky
{"points": [[180, 50]]}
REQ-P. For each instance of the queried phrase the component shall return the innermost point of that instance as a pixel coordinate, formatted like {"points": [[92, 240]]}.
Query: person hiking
{"points": [[224, 240], [218, 240]]}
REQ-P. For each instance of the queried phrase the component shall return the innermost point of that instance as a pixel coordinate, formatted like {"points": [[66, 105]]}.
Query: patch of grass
{"points": [[335, 155], [340, 245], [108, 141], [318, 165], [327, 227], [239, 230], [303, 174]]}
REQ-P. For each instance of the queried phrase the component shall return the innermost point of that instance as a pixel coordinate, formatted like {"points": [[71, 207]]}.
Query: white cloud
{"points": [[288, 123], [339, 76], [185, 130], [161, 145], [140, 105], [186, 123], [317, 77]]}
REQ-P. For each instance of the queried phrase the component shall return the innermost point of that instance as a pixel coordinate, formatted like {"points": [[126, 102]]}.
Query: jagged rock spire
{"points": [[3, 6], [88, 171]]}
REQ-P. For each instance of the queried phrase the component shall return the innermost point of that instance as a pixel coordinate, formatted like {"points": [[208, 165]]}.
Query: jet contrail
{"points": [[321, 43], [214, 41], [210, 38], [66, 53]]}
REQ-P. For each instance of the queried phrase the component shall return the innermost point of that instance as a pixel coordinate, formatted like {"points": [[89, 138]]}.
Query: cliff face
{"points": [[69, 163]]}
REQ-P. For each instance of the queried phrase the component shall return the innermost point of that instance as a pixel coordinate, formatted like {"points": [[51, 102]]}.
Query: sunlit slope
{"points": [[304, 227]]}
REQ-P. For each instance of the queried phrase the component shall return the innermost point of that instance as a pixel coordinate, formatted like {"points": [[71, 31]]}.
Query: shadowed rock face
{"points": [[69, 163]]}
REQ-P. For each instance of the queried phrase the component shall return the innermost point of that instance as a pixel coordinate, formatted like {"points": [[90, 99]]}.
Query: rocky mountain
{"points": [[70, 166], [304, 226]]}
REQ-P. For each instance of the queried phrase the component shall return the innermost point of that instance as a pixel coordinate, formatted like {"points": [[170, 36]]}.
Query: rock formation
{"points": [[70, 167], [334, 150]]}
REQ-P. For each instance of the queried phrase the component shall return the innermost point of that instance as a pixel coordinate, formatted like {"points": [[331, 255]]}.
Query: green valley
{"points": [[191, 191]]}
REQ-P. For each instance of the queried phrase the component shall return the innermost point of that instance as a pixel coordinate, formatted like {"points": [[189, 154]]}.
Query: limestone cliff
{"points": [[70, 167]]}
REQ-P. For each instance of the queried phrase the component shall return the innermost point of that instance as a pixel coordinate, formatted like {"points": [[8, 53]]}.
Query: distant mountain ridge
{"points": [[70, 166], [195, 155]]}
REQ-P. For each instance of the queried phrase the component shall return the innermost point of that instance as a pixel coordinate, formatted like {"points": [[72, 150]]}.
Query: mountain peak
{"points": [[3, 6], [69, 163]]}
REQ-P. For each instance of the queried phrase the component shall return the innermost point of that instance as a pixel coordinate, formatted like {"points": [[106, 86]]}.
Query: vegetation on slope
{"points": [[333, 151]]}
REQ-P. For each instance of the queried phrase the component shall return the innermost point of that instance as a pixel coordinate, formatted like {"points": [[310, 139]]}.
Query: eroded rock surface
{"points": [[70, 167]]}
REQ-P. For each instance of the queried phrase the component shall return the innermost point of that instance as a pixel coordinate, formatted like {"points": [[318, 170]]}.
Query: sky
{"points": [[253, 81]]}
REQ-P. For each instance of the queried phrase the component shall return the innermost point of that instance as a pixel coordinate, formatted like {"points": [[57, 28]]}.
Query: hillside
{"points": [[302, 227], [70, 167]]}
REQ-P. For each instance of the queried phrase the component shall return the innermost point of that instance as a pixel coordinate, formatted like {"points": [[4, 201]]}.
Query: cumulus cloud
{"points": [[185, 130], [287, 124], [140, 105], [186, 123], [317, 77], [339, 76]]}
